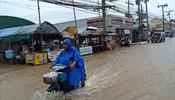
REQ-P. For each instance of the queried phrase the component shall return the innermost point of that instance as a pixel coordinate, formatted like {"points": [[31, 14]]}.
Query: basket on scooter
{"points": [[54, 77], [57, 75], [50, 78]]}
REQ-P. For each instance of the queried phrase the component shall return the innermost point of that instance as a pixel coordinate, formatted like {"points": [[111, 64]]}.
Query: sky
{"points": [[53, 13]]}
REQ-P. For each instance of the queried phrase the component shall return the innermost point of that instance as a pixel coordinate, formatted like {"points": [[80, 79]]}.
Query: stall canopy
{"points": [[24, 33], [8, 31]]}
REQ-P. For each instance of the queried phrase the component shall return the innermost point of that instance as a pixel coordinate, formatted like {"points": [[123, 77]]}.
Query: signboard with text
{"points": [[53, 55], [86, 50]]}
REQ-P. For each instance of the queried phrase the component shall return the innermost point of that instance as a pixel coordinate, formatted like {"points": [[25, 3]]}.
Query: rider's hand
{"points": [[72, 65]]}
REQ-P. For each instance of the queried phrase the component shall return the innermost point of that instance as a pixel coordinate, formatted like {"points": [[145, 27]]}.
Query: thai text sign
{"points": [[86, 50]]}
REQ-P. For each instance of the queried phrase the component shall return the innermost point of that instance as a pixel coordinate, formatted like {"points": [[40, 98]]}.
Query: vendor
{"points": [[38, 46]]}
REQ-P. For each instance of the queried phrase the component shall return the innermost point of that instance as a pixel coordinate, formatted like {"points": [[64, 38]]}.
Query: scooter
{"points": [[57, 79], [125, 42]]}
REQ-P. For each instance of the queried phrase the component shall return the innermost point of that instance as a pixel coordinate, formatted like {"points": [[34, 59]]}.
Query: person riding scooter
{"points": [[70, 56], [125, 41]]}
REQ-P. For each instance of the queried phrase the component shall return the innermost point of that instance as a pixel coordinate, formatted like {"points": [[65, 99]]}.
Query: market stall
{"points": [[91, 41], [35, 42]]}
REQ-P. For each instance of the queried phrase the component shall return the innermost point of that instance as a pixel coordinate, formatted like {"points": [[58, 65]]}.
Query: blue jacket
{"points": [[66, 57]]}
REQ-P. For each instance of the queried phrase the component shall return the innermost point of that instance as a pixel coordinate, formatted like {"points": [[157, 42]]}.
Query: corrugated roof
{"points": [[8, 31], [46, 28]]}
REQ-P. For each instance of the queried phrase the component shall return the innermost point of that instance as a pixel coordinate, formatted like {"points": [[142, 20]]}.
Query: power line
{"points": [[83, 12], [118, 9], [21, 4], [26, 6], [18, 5], [134, 10]]}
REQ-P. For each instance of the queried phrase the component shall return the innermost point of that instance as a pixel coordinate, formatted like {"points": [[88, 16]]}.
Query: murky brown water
{"points": [[142, 72]]}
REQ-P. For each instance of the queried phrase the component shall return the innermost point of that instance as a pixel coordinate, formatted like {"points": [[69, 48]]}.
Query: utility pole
{"points": [[128, 9], [39, 17], [39, 14], [76, 25], [169, 14], [138, 3], [75, 18], [147, 19], [104, 16], [141, 15], [163, 16], [99, 9], [141, 21]]}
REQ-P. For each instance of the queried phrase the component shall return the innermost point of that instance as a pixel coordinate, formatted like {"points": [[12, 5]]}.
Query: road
{"points": [[141, 72]]}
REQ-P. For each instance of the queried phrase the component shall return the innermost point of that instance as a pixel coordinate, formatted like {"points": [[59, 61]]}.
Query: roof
{"points": [[8, 31], [9, 22], [45, 28], [80, 25]]}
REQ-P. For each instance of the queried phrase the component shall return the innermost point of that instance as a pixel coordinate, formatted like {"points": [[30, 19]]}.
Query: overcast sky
{"points": [[53, 13]]}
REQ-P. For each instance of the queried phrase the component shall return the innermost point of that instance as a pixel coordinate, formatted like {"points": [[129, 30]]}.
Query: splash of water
{"points": [[74, 95], [37, 96], [103, 78]]}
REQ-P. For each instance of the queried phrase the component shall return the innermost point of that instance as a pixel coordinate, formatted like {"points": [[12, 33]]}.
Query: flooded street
{"points": [[141, 72]]}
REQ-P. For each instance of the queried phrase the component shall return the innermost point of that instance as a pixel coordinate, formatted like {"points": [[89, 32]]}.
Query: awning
{"points": [[10, 39], [8, 31], [23, 33]]}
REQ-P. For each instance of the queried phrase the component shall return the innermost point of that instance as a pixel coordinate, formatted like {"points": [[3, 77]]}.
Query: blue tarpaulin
{"points": [[22, 33], [8, 31]]}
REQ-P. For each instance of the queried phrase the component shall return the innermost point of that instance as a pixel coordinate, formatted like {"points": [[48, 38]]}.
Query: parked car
{"points": [[158, 37], [169, 34]]}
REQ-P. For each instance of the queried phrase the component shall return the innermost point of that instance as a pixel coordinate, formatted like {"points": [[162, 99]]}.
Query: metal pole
{"points": [[99, 9], [39, 16], [169, 20], [163, 18], [75, 19], [141, 18], [147, 19], [128, 9], [139, 14], [169, 14], [32, 44], [104, 16], [39, 12]]}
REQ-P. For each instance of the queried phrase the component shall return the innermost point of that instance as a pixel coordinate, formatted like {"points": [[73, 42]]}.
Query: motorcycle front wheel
{"points": [[53, 88]]}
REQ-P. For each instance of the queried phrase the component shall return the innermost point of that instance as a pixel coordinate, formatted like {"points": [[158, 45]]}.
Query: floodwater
{"points": [[141, 72]]}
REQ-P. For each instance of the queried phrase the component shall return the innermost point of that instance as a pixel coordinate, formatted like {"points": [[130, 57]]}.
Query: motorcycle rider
{"points": [[70, 56]]}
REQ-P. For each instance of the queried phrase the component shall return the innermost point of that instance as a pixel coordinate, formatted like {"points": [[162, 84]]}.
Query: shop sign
{"points": [[53, 55], [86, 50]]}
